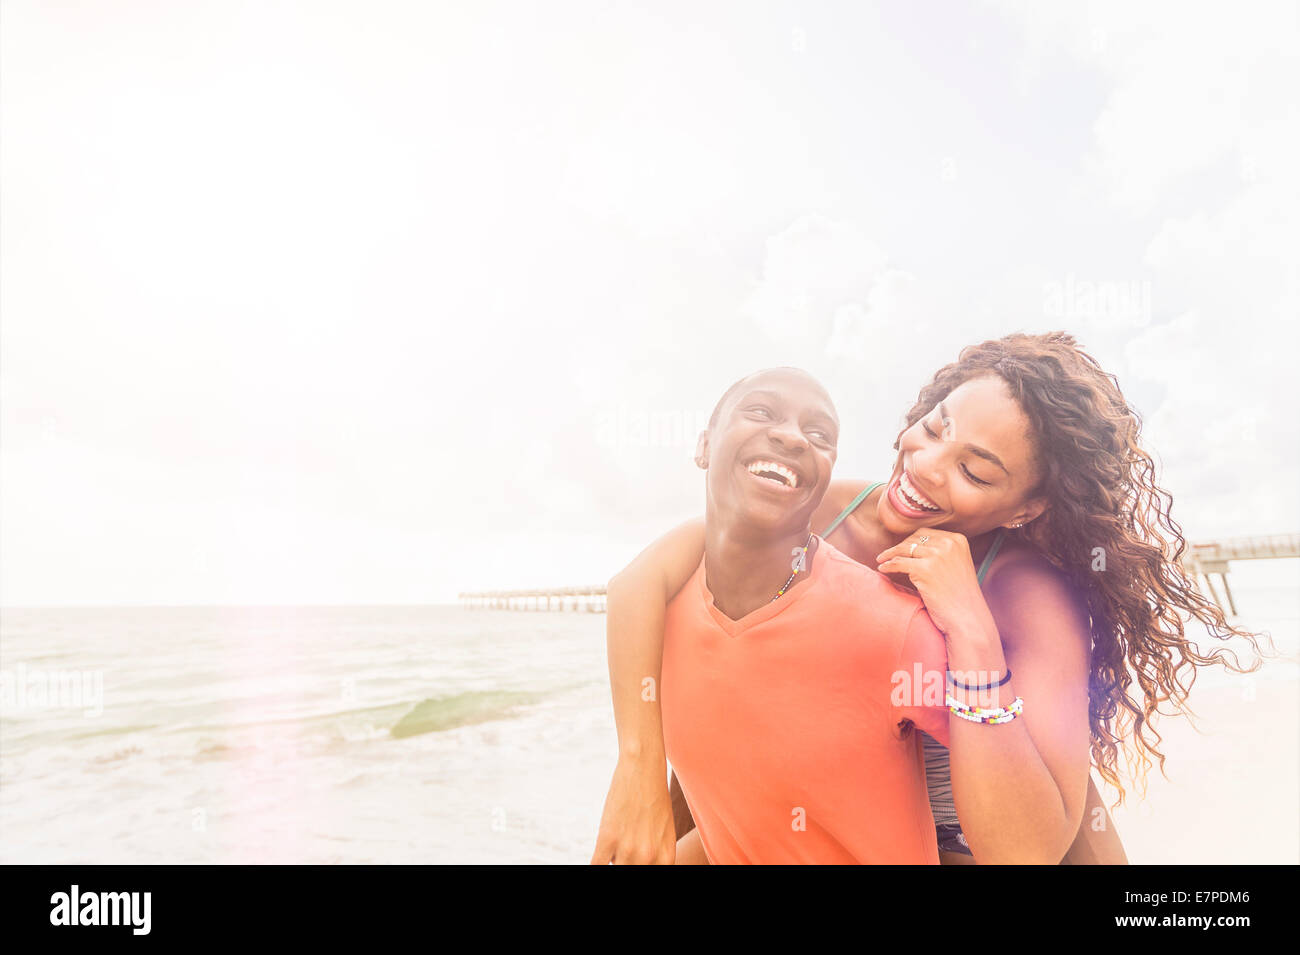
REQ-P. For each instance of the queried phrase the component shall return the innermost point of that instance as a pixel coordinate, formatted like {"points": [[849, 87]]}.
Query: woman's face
{"points": [[968, 465]]}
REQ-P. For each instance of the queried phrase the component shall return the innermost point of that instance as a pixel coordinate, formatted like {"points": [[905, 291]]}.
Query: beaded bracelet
{"points": [[991, 715], [952, 681]]}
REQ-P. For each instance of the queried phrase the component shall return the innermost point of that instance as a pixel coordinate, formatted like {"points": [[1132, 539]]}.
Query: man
{"points": [[780, 657]]}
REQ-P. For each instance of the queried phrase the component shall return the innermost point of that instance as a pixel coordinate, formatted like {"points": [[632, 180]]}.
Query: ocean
{"points": [[305, 734], [421, 734]]}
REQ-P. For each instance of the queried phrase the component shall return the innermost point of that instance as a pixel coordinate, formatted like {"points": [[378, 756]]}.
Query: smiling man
{"points": [[779, 657]]}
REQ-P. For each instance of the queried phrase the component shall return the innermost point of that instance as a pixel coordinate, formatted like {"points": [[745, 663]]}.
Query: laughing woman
{"points": [[1024, 511]]}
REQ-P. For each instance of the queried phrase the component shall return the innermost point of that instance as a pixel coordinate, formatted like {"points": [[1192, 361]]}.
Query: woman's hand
{"points": [[939, 565], [636, 827]]}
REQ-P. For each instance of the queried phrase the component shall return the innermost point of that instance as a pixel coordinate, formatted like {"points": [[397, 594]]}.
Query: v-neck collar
{"points": [[770, 609]]}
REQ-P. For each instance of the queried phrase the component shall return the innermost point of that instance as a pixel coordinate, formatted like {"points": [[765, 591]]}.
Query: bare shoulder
{"points": [[839, 495], [1032, 599], [853, 536]]}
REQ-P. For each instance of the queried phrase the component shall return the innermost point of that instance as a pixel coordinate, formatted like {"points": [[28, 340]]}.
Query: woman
{"points": [[1023, 510]]}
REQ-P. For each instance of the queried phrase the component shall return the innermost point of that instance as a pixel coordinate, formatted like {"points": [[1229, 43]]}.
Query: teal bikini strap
{"points": [[862, 496], [993, 552], [850, 509]]}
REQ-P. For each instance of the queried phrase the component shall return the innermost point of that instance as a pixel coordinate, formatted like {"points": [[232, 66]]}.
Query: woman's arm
{"points": [[637, 823], [1023, 791], [1018, 787]]}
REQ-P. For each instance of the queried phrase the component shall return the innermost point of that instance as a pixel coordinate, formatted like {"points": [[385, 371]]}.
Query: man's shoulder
{"points": [[858, 583], [837, 565]]}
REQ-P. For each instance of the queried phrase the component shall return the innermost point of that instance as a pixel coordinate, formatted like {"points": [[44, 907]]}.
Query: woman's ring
{"points": [[913, 550], [920, 540]]}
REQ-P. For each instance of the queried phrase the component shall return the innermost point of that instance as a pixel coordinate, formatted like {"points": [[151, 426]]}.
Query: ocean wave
{"points": [[125, 752], [460, 709]]}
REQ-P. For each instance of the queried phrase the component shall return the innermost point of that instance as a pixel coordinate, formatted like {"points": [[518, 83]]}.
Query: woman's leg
{"points": [[1097, 842], [682, 820], [955, 858], [690, 850]]}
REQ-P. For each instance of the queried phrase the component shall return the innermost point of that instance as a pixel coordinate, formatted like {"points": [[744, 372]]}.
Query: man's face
{"points": [[770, 454]]}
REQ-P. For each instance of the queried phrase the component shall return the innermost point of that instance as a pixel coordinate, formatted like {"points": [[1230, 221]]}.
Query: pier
{"points": [[584, 599], [1212, 557], [1200, 560]]}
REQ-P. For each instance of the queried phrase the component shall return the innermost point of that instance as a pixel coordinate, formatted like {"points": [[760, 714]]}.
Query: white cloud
{"points": [[1196, 145], [295, 308]]}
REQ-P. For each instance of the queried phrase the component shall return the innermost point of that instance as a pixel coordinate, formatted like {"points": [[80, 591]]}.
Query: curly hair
{"points": [[1102, 493]]}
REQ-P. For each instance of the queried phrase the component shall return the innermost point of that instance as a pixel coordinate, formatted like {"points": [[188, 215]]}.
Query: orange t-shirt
{"points": [[782, 726]]}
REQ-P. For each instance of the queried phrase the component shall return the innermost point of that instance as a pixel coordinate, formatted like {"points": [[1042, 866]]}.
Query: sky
{"points": [[339, 302]]}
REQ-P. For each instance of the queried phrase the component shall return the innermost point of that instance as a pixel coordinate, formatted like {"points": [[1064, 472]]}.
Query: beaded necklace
{"points": [[800, 555]]}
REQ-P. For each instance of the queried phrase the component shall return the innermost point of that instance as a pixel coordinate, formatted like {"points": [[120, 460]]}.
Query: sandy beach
{"points": [[1232, 795]]}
